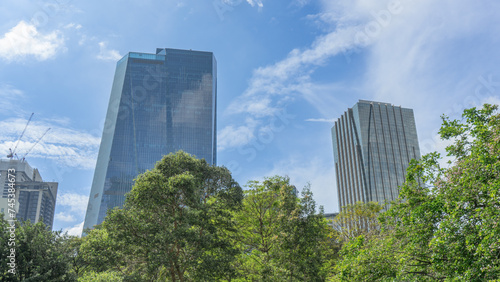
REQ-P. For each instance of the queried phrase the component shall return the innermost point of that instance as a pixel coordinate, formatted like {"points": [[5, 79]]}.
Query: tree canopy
{"points": [[173, 224], [280, 236], [186, 220], [40, 254], [444, 225]]}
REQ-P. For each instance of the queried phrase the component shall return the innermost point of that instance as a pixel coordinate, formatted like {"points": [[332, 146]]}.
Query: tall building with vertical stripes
{"points": [[373, 144]]}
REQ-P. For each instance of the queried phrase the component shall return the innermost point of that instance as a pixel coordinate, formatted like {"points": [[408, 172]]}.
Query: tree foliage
{"points": [[107, 276], [172, 225], [444, 226], [366, 254], [40, 254], [188, 221], [281, 237], [461, 204], [357, 219]]}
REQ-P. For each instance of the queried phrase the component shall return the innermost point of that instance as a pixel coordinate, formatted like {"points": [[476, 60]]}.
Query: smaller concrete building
{"points": [[34, 199]]}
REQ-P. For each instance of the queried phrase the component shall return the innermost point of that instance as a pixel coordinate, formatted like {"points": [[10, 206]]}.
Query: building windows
{"points": [[167, 103], [386, 140]]}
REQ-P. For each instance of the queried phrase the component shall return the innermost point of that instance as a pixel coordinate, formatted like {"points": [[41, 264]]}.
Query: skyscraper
{"points": [[373, 144], [34, 199], [160, 103]]}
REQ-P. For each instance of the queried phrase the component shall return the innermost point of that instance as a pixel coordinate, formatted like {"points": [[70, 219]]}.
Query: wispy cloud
{"points": [[272, 87], [66, 146], [10, 98], [427, 57], [106, 54], [73, 26], [331, 120], [257, 3], [24, 40], [406, 64]]}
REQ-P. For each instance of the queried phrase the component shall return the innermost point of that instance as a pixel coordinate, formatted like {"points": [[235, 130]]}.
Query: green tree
{"points": [[5, 245], [447, 218], [99, 252], [257, 223], [280, 236], [366, 254], [40, 254], [173, 224], [369, 257], [357, 219], [108, 276], [444, 225], [305, 246]]}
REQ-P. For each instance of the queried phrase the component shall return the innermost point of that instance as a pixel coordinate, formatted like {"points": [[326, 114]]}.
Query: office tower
{"points": [[373, 144], [160, 103], [34, 199]]}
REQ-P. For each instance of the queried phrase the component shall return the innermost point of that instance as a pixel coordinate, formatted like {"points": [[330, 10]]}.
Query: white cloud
{"points": [[326, 98], [73, 25], [66, 146], [63, 121], [76, 202], [494, 100], [75, 230], [416, 56], [106, 54], [273, 86], [256, 2], [232, 136], [433, 57], [64, 217], [25, 40]]}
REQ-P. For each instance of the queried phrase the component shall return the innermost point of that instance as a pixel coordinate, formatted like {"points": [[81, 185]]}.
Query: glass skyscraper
{"points": [[373, 144], [160, 103]]}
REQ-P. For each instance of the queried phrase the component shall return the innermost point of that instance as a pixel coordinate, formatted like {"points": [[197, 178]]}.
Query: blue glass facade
{"points": [[160, 103], [373, 144], [37, 201]]}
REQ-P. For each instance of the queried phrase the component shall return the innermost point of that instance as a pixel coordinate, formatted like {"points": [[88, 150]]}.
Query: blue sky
{"points": [[286, 71]]}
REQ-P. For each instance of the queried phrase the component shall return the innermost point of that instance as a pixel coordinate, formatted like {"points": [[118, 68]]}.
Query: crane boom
{"points": [[35, 144], [12, 152]]}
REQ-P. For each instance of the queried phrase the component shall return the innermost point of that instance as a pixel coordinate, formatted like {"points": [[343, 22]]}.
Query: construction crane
{"points": [[37, 141], [12, 153]]}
